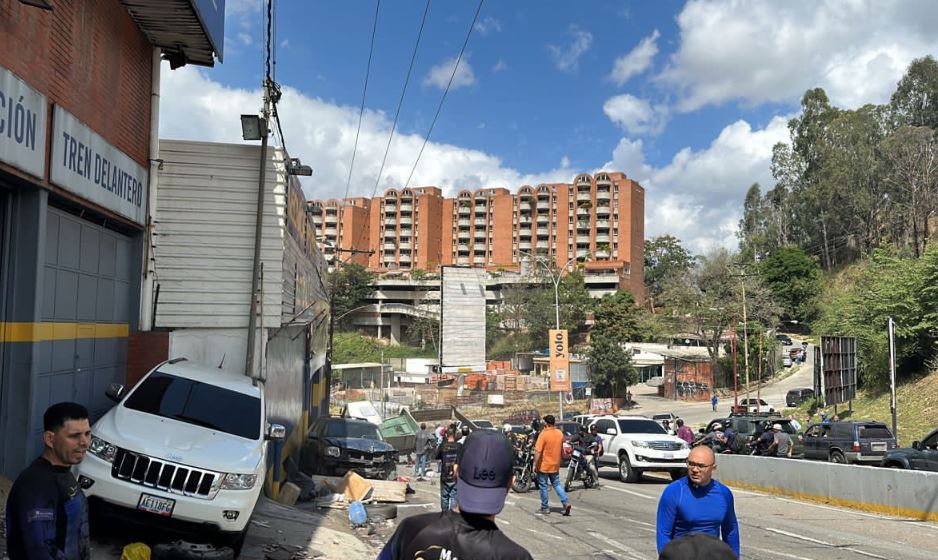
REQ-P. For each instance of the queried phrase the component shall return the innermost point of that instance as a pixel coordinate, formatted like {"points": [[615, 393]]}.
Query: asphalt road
{"points": [[694, 413], [618, 521]]}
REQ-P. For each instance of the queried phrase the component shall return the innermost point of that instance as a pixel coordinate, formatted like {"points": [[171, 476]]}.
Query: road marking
{"points": [[832, 545], [414, 505], [632, 553], [776, 553], [543, 534], [632, 492]]}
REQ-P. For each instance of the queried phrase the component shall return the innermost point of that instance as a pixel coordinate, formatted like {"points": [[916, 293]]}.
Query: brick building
{"points": [[79, 90], [597, 221]]}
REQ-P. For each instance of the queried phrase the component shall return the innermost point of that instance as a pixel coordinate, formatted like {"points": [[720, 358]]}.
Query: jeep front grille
{"points": [[165, 476], [665, 445]]}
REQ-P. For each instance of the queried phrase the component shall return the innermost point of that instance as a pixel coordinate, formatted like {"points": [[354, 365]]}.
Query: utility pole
{"points": [[258, 232], [745, 338], [891, 328]]}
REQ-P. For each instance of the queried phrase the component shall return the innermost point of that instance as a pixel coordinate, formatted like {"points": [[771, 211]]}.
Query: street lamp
{"points": [[254, 127]]}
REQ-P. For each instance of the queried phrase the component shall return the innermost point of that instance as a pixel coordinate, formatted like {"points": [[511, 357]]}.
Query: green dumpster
{"points": [[399, 431]]}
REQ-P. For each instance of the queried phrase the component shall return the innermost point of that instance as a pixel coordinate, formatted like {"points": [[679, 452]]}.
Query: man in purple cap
{"points": [[483, 477]]}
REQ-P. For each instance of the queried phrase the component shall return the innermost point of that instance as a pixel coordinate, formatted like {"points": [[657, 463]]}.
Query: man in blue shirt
{"points": [[698, 504]]}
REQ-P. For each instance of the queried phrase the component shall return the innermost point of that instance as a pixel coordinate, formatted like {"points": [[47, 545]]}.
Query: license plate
{"points": [[156, 504], [669, 455], [576, 453], [878, 446]]}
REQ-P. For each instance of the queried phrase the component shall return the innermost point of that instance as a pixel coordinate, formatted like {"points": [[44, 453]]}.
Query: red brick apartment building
{"points": [[597, 221]]}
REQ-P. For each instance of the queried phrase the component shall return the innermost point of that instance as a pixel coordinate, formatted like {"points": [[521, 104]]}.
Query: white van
{"points": [[187, 444]]}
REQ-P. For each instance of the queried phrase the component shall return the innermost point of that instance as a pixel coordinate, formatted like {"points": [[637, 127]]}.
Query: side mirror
{"points": [[917, 445], [115, 392], [276, 432], [611, 431]]}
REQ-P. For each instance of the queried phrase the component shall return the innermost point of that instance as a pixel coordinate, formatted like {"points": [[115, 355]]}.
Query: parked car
{"points": [[186, 444], [848, 442], [484, 424], [748, 406], [784, 339], [751, 427], [636, 444], [922, 456], [335, 446], [584, 419], [797, 396]]}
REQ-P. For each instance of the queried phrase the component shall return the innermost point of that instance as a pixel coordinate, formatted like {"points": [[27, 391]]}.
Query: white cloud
{"points": [[636, 61], [193, 107], [500, 66], [488, 24], [284, 44], [634, 115], [767, 51], [245, 38], [567, 58], [440, 74], [697, 195]]}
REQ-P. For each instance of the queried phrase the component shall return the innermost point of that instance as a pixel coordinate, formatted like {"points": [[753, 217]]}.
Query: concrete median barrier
{"points": [[888, 491]]}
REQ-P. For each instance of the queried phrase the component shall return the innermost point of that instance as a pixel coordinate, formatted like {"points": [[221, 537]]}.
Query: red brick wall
{"points": [[144, 351], [89, 57]]}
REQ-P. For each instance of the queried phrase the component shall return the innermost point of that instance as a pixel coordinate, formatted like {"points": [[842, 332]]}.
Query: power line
{"points": [[445, 91], [361, 110], [400, 103]]}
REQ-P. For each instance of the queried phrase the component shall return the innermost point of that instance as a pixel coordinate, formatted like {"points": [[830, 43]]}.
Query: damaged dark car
{"points": [[335, 446]]}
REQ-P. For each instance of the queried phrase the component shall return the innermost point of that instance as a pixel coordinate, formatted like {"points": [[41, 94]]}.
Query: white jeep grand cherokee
{"points": [[187, 443], [636, 444]]}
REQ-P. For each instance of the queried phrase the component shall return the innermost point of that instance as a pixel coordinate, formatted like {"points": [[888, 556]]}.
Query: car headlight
{"points": [[333, 451], [684, 445], [102, 449], [235, 481], [639, 443]]}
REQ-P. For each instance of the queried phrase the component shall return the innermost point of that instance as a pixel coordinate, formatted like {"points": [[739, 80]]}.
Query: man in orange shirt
{"points": [[547, 464]]}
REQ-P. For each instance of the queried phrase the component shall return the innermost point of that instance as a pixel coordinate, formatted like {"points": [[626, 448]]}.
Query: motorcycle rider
{"points": [[592, 445]]}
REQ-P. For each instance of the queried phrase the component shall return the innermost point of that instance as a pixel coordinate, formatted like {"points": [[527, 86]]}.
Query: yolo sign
{"points": [[559, 360]]}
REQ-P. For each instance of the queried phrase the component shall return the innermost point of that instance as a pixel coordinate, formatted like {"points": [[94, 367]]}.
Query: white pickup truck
{"points": [[636, 444], [187, 444]]}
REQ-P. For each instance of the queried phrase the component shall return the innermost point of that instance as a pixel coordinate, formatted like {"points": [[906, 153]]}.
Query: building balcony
{"points": [[525, 209], [602, 238], [407, 207], [331, 231], [405, 257], [524, 245], [462, 260], [406, 220], [543, 231], [603, 210], [479, 222], [391, 232], [602, 224], [582, 253], [464, 222], [582, 211], [583, 195], [479, 234], [463, 210], [602, 253], [543, 218], [390, 221], [603, 194], [464, 247], [389, 245], [405, 245], [543, 204]]}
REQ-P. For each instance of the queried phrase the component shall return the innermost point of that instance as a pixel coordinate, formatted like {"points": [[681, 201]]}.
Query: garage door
{"points": [[86, 296]]}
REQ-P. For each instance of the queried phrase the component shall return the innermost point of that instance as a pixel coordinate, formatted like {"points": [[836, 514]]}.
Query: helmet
{"points": [[465, 430], [593, 427], [506, 428], [535, 424], [582, 428], [718, 426]]}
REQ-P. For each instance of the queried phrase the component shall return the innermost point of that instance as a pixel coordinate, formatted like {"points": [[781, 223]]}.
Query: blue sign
{"points": [[211, 14]]}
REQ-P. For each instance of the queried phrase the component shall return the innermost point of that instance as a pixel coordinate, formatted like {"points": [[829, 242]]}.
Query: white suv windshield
{"points": [[640, 427], [198, 403]]}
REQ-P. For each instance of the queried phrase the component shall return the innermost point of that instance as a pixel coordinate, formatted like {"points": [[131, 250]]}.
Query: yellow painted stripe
{"points": [[39, 332], [840, 502]]}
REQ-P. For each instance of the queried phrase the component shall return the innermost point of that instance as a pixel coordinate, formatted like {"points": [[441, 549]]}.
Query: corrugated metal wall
{"points": [[204, 234], [463, 317]]}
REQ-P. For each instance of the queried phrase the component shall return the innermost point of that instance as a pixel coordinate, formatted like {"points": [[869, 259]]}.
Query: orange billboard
{"points": [[559, 360]]}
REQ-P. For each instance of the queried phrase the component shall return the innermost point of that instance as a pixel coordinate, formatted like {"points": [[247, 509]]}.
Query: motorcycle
{"points": [[524, 468], [579, 469]]}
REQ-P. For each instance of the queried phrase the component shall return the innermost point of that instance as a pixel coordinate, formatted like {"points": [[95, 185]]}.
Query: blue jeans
{"points": [[420, 466], [554, 480], [447, 496]]}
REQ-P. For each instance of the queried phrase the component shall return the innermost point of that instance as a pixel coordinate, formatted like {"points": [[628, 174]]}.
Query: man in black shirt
{"points": [[483, 477], [448, 454], [47, 513]]}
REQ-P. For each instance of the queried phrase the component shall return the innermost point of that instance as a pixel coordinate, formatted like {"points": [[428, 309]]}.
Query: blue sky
{"points": [[687, 98]]}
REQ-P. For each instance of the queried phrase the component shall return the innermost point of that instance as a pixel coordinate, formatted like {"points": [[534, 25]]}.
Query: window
{"points": [[602, 426], [351, 430], [640, 427], [874, 432], [197, 403]]}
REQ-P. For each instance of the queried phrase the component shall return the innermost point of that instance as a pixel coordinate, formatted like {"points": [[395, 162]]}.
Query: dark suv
{"points": [[335, 446], [848, 442], [797, 396], [750, 427], [922, 456]]}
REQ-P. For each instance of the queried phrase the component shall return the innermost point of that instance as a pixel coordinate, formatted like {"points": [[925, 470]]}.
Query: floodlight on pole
{"points": [[253, 127], [295, 167]]}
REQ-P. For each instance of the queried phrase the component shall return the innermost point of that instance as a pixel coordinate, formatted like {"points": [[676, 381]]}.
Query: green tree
{"points": [[352, 284], [793, 278], [617, 317], [911, 161], [665, 258], [915, 101], [611, 367]]}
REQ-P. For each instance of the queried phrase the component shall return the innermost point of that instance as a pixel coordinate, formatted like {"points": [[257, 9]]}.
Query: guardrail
{"points": [[886, 491]]}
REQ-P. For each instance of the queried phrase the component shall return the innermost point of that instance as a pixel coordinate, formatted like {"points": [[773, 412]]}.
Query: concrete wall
{"points": [[886, 491]]}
